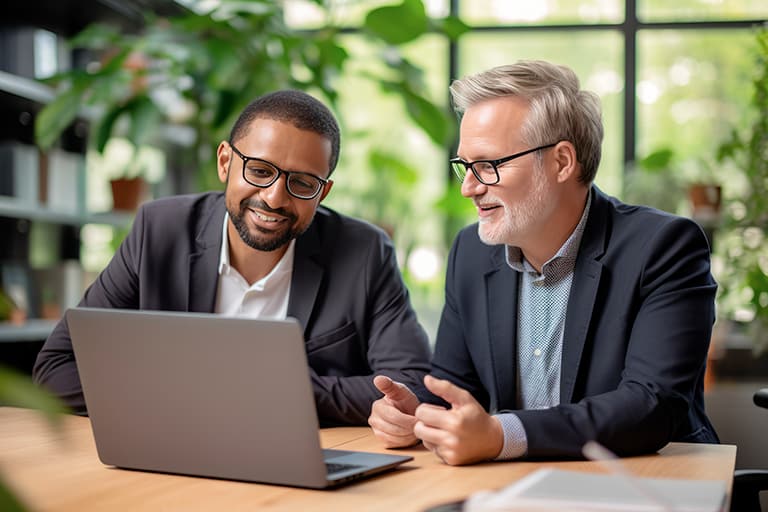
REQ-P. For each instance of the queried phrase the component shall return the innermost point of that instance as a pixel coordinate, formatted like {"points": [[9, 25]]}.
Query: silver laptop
{"points": [[207, 395]]}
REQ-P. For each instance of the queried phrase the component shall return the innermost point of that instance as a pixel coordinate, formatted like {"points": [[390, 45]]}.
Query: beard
{"points": [[264, 240], [519, 218]]}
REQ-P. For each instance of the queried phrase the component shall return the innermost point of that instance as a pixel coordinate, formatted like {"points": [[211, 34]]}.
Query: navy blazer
{"points": [[346, 292], [637, 331]]}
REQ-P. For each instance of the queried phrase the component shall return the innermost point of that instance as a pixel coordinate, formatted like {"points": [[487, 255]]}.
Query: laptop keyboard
{"points": [[334, 467]]}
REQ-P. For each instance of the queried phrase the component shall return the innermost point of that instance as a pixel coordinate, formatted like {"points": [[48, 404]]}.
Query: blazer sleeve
{"points": [[116, 287], [669, 326], [386, 329], [452, 359]]}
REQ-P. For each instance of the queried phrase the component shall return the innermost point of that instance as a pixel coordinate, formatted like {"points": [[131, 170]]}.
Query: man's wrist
{"points": [[515, 439], [496, 444]]}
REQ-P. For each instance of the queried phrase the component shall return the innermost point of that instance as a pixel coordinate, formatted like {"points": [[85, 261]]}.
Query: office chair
{"points": [[747, 483]]}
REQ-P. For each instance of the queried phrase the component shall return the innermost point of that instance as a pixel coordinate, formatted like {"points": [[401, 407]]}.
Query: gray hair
{"points": [[559, 110]]}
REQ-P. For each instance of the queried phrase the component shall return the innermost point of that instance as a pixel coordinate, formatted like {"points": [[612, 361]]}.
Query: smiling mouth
{"points": [[265, 218], [487, 208]]}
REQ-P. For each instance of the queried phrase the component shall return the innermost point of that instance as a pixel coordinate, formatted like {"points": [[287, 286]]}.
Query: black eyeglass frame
{"points": [[494, 163], [288, 174]]}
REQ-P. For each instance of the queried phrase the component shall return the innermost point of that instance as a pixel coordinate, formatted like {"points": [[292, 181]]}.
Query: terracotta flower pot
{"points": [[705, 198], [127, 193]]}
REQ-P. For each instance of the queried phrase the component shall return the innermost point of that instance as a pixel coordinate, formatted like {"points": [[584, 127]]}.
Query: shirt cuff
{"points": [[515, 440]]}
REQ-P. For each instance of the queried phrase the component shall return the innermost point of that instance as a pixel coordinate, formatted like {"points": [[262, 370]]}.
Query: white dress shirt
{"points": [[266, 298]]}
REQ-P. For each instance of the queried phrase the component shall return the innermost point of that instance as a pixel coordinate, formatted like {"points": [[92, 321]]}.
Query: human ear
{"points": [[567, 163], [223, 160]]}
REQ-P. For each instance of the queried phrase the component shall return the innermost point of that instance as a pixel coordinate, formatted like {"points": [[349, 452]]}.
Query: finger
{"points": [[390, 440], [448, 391], [393, 428], [433, 415], [430, 446], [385, 416], [384, 383], [435, 450], [431, 436], [391, 389], [397, 394]]}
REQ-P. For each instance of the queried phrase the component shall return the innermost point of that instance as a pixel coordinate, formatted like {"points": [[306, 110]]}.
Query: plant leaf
{"points": [[9, 502], [145, 118], [17, 390], [54, 118], [451, 26], [658, 160], [398, 24], [430, 118], [104, 131]]}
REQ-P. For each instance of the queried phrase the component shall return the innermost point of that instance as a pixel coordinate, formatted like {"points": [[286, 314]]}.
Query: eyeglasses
{"points": [[486, 171], [261, 173]]}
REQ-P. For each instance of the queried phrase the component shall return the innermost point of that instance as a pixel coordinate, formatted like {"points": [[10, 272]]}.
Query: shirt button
{"points": [[537, 352]]}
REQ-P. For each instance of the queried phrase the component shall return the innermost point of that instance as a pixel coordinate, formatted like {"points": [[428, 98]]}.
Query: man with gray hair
{"points": [[569, 316]]}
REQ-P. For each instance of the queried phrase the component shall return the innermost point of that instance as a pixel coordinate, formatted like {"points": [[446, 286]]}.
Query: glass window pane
{"points": [[692, 87], [699, 10], [400, 199], [537, 12], [597, 58], [306, 14]]}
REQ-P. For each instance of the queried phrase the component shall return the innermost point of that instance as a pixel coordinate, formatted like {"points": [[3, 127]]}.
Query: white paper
{"points": [[556, 489]]}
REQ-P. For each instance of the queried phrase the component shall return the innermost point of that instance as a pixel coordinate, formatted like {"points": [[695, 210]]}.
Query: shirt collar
{"points": [[224, 253], [566, 255]]}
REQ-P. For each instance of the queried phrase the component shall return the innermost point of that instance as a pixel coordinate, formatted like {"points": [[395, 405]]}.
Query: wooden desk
{"points": [[59, 470]]}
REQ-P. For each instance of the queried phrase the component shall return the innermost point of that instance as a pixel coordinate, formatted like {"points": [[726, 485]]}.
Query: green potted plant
{"points": [[199, 69], [654, 180], [703, 189], [744, 233]]}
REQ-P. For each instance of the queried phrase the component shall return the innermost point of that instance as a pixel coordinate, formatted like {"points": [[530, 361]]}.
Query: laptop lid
{"points": [[205, 395]]}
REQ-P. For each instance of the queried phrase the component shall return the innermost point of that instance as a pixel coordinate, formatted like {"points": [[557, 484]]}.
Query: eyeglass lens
{"points": [[300, 184], [484, 171]]}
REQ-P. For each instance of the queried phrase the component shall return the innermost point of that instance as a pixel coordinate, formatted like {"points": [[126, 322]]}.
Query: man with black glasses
{"points": [[265, 248], [568, 315]]}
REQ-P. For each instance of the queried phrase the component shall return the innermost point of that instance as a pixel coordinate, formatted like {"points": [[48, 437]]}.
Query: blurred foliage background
{"points": [[675, 80]]}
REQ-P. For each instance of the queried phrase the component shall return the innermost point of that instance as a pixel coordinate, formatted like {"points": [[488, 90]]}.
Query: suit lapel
{"points": [[581, 300], [203, 264], [307, 275], [501, 305]]}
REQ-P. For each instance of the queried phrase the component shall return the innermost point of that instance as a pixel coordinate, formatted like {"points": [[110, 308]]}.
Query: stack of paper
{"points": [[555, 489]]}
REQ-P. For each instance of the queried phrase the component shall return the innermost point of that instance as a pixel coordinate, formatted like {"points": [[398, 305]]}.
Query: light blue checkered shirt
{"points": [[542, 305]]}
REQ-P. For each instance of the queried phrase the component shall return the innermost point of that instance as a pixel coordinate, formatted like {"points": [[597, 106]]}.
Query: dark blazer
{"points": [[637, 330], [346, 291]]}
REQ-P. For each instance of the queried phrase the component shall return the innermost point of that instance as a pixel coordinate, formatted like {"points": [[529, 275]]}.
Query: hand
{"points": [[463, 434], [392, 417]]}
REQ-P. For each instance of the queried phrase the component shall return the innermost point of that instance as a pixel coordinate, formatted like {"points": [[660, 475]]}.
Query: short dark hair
{"points": [[295, 107]]}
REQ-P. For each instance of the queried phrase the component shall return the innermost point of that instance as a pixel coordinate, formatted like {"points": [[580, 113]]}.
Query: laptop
{"points": [[207, 395]]}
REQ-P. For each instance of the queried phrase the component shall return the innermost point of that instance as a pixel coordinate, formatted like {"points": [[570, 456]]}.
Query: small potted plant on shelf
{"points": [[128, 190], [654, 180], [704, 191]]}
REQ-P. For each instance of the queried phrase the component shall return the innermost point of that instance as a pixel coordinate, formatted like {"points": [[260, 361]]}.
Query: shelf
{"points": [[25, 88], [15, 208], [34, 92], [31, 330]]}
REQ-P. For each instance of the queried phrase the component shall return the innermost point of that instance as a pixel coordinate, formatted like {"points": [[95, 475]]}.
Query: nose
{"points": [[276, 195], [471, 186]]}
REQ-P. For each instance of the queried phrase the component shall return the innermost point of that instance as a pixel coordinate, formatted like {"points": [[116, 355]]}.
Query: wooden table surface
{"points": [[58, 470]]}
